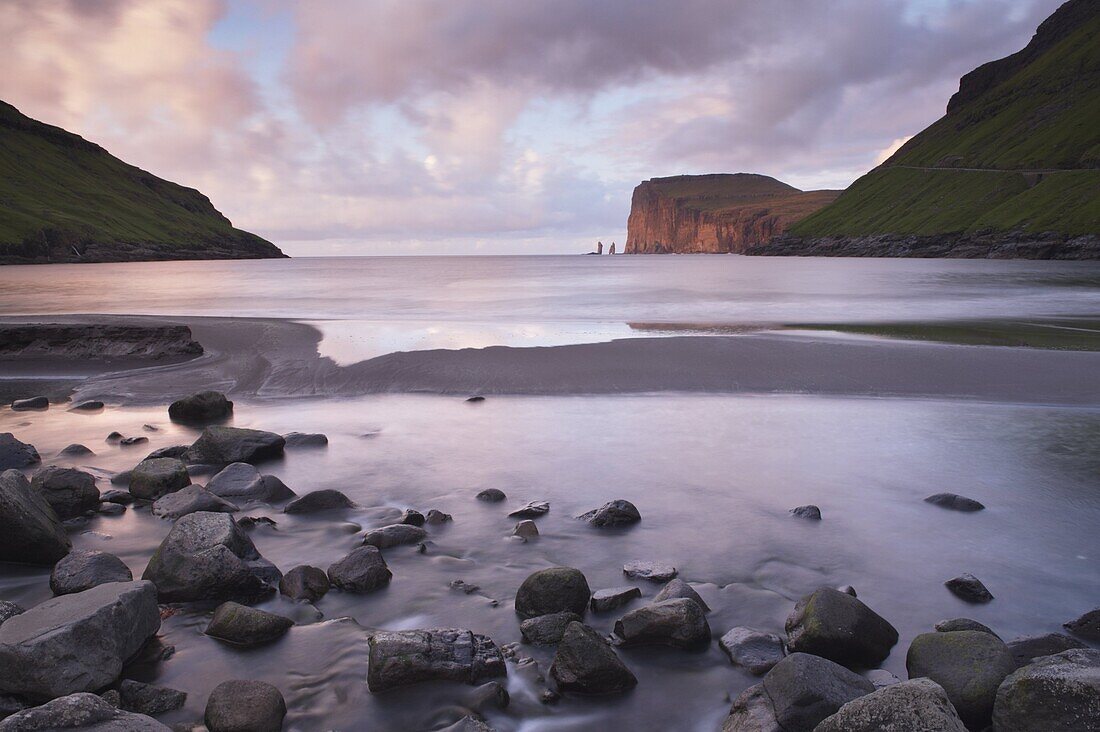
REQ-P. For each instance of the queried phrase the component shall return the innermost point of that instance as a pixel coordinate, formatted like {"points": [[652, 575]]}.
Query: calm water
{"points": [[713, 475]]}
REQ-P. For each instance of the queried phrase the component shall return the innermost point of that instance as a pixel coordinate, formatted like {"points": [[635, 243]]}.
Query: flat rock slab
{"points": [[81, 711], [32, 532], [246, 626], [1026, 650], [305, 439], [225, 445], [753, 649], [394, 535], [652, 571], [84, 569], [398, 658], [613, 597], [954, 502], [30, 403], [305, 583], [16, 454]]}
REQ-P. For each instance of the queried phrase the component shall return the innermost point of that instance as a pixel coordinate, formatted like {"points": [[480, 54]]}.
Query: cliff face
{"points": [[712, 214]]}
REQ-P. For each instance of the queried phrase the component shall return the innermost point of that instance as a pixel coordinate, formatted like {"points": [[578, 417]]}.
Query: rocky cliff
{"points": [[721, 213]]}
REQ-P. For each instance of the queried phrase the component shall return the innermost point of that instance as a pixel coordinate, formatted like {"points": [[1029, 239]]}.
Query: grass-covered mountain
{"points": [[1012, 169], [64, 199]]}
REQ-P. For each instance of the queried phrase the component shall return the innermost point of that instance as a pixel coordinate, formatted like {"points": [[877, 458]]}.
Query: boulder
{"points": [[752, 711], [83, 711], [206, 556], [75, 450], [238, 480], [158, 477], [526, 529], [805, 689], [32, 533], [305, 439], [84, 569], [1059, 692], [206, 406], [134, 696], [245, 706], [16, 454], [839, 627], [586, 664], [399, 658], [969, 588], [1087, 626], [114, 436], [275, 490], [394, 535], [533, 509], [8, 610], [546, 630], [652, 571], [612, 598], [362, 570], [34, 402], [753, 649], [246, 626], [678, 588], [192, 499], [954, 502], [810, 511], [679, 623], [920, 705], [614, 513], [322, 500], [1025, 650], [173, 451], [950, 626], [491, 495], [553, 590], [114, 495], [76, 642], [304, 583], [225, 445], [70, 492], [411, 517], [968, 664]]}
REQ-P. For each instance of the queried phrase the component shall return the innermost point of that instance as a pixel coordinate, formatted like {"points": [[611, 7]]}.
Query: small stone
{"points": [[116, 496], [304, 583], [362, 570], [546, 630], [435, 517], [531, 510], [474, 399], [950, 626], [245, 706], [464, 587], [251, 522], [969, 588], [83, 569], [678, 588], [137, 440], [553, 590], [807, 512], [150, 428], [305, 439], [754, 649], [614, 513], [35, 403], [322, 500], [526, 529], [652, 571], [394, 535], [111, 509], [411, 517], [75, 450], [114, 436], [954, 502], [612, 598], [246, 626], [491, 495]]}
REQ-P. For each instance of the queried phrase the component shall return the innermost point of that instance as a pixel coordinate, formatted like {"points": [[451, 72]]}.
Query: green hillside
{"points": [[1017, 151], [64, 199]]}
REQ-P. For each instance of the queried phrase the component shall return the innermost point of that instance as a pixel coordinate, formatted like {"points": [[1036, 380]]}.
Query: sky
{"points": [[337, 127]]}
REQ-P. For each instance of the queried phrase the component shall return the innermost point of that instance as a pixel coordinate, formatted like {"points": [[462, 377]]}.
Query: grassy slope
{"points": [[1045, 116], [731, 192]]}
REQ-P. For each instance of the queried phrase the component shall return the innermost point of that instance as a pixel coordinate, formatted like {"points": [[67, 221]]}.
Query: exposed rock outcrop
{"points": [[96, 342]]}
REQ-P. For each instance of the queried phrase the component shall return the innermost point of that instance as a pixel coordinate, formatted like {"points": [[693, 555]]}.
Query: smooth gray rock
{"points": [[920, 705], [553, 590], [526, 529], [225, 445], [614, 513], [950, 626], [192, 499], [752, 711], [1025, 650], [75, 450], [172, 451], [678, 588], [679, 623], [305, 439], [246, 626], [969, 588], [362, 570], [533, 509], [546, 630], [8, 610], [805, 689], [1087, 626], [491, 495], [954, 502], [16, 454], [968, 664], [304, 583], [810, 511], [81, 711], [652, 571], [206, 406], [239, 481], [586, 664], [111, 509], [322, 500], [84, 569], [34, 402], [70, 492], [612, 598], [399, 658], [1059, 692], [394, 535], [839, 627], [276, 490], [32, 532], [134, 696], [411, 517], [245, 706], [151, 479], [206, 556], [76, 642], [753, 649]]}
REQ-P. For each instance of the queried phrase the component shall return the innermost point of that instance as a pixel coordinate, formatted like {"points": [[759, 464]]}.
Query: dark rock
{"points": [[122, 478], [9, 705], [652, 571], [245, 706], [805, 689], [475, 398], [304, 439], [111, 509], [1059, 692], [531, 510], [322, 500], [969, 588], [173, 451], [920, 705], [129, 441], [467, 723], [411, 517], [841, 628], [398, 658], [225, 445], [394, 535], [678, 588], [192, 499], [276, 490], [968, 664], [206, 556], [114, 436], [464, 586], [362, 570], [246, 626], [8, 610], [954, 502], [553, 590], [614, 513], [84, 569], [75, 450], [148, 698], [154, 478], [238, 480], [847, 590], [76, 642], [807, 512], [434, 517], [546, 630], [32, 533], [116, 496], [1026, 650], [881, 678], [206, 406], [754, 649], [752, 711], [70, 492], [679, 623], [1087, 626], [304, 583], [950, 626], [35, 402], [16, 454], [150, 428], [586, 664], [491, 495], [612, 598], [80, 712], [91, 405], [526, 529], [251, 522]]}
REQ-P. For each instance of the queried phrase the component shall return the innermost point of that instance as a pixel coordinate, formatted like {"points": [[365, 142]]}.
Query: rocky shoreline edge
{"points": [[980, 245]]}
